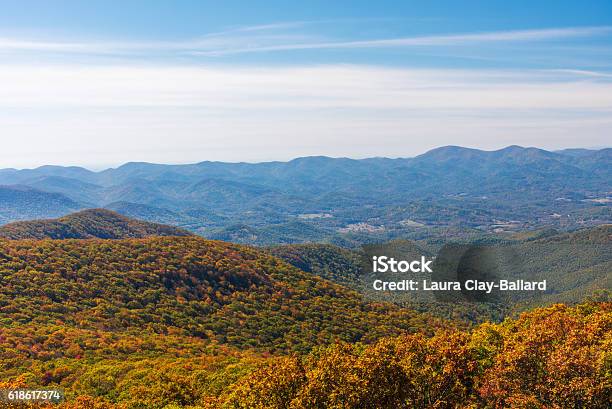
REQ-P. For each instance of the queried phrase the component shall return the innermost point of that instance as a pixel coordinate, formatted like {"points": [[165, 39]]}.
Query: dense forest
{"points": [[185, 322], [231, 294], [555, 357], [576, 265]]}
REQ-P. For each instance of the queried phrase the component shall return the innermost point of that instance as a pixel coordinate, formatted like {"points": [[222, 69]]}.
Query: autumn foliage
{"points": [[555, 357], [190, 323]]}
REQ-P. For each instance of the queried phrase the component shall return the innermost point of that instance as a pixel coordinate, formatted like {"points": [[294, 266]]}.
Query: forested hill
{"points": [[184, 322], [331, 262], [212, 290], [576, 265], [87, 224]]}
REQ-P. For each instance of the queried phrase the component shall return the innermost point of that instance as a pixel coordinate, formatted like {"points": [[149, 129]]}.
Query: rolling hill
{"points": [[333, 263], [185, 322], [88, 224], [507, 190], [576, 265], [185, 316], [211, 290]]}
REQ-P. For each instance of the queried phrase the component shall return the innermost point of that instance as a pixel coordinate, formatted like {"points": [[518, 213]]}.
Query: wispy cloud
{"points": [[284, 37], [583, 73], [273, 26], [300, 88], [157, 113], [233, 37], [111, 108], [431, 41]]}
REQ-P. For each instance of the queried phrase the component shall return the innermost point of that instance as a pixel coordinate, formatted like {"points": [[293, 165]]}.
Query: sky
{"points": [[101, 83]]}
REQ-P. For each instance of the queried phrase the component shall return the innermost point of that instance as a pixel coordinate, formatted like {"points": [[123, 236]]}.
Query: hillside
{"points": [[184, 322], [576, 265], [556, 357], [88, 224], [186, 285], [490, 366], [327, 261], [180, 318]]}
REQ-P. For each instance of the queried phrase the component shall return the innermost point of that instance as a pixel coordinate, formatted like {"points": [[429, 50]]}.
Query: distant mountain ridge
{"points": [[19, 202], [315, 165], [88, 224], [513, 188]]}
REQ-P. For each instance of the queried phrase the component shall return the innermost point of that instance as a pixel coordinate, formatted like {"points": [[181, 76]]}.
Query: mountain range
{"points": [[338, 200]]}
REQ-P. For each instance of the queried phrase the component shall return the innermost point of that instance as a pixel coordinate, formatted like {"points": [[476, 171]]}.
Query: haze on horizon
{"points": [[105, 83], [103, 167]]}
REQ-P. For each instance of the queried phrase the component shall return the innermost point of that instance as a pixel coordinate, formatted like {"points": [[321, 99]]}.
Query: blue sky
{"points": [[100, 83]]}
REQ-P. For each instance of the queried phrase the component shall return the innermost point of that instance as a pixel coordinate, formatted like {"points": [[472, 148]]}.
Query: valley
{"points": [[449, 191]]}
